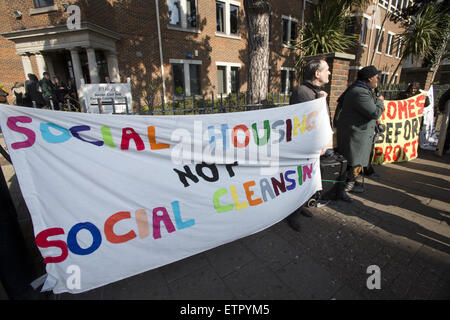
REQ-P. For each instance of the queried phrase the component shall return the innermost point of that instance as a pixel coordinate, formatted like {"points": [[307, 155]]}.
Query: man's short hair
{"points": [[311, 67], [46, 74]]}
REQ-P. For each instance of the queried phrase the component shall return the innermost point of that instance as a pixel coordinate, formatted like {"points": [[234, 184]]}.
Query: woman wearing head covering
{"points": [[356, 122], [411, 91]]}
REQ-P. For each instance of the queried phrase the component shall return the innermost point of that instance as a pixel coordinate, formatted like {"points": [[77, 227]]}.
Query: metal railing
{"points": [[183, 105]]}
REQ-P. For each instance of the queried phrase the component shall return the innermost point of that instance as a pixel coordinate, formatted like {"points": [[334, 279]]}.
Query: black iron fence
{"points": [[210, 103], [179, 105]]}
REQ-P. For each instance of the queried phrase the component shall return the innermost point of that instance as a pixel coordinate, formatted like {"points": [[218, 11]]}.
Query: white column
{"points": [[113, 66], [40, 64], [92, 62], [27, 66], [77, 72]]}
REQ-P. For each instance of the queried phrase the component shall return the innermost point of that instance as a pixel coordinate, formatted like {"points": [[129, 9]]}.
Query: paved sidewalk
{"points": [[401, 224]]}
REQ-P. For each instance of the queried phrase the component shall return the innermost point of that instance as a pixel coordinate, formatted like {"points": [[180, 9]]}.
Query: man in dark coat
{"points": [[48, 89], [361, 109], [316, 75], [33, 92], [442, 108]]}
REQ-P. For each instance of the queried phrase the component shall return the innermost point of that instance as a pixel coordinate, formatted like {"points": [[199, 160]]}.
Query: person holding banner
{"points": [[356, 122], [316, 75], [442, 108]]}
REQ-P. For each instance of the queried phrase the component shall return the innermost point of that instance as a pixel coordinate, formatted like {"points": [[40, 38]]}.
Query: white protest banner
{"points": [[113, 196]]}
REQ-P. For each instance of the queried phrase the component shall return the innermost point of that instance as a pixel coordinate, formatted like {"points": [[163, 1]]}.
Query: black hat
{"points": [[367, 72]]}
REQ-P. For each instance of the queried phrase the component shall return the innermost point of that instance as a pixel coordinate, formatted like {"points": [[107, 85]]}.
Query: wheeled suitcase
{"points": [[333, 170]]}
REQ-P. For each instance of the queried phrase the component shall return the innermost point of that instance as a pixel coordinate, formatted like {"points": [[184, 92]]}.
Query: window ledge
{"points": [[230, 36], [363, 45], [35, 11], [388, 55], [176, 28]]}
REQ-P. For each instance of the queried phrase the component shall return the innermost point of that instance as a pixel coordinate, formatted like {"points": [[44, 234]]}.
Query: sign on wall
{"points": [[107, 97], [113, 196]]}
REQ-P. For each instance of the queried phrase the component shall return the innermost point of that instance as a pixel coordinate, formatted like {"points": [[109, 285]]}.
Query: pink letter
{"points": [[157, 222], [11, 123]]}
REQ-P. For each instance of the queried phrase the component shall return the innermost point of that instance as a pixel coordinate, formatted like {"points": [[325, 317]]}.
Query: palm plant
{"points": [[421, 34], [325, 33]]}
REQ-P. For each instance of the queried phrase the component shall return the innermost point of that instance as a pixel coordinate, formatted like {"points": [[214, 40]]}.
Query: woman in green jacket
{"points": [[361, 109]]}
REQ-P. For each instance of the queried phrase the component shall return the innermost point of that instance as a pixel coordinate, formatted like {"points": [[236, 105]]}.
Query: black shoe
{"points": [[353, 187], [294, 221], [345, 197], [357, 189]]}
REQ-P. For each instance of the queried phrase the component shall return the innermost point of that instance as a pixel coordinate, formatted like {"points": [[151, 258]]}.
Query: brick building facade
{"points": [[367, 25], [203, 43]]}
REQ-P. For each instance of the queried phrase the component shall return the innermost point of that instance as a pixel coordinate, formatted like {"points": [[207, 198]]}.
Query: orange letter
{"points": [[249, 194], [153, 144], [109, 228]]}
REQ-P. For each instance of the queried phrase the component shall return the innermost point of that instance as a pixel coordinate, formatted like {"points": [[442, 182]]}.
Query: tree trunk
{"points": [[395, 71], [440, 54], [257, 14]]}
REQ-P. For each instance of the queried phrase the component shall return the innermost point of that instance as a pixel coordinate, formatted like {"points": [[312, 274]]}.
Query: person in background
{"points": [[48, 89], [19, 92], [412, 90], [33, 92], [108, 79], [443, 101], [316, 75], [356, 122], [71, 94], [60, 92], [3, 95]]}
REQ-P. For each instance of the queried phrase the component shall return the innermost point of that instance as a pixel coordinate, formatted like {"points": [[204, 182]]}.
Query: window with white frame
{"points": [[43, 3], [399, 48], [287, 79], [383, 3], [182, 13], [364, 29], [395, 79], [396, 4], [406, 3], [380, 45], [221, 79], [384, 77], [289, 30], [234, 77], [390, 43], [186, 76], [228, 80], [227, 18]]}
